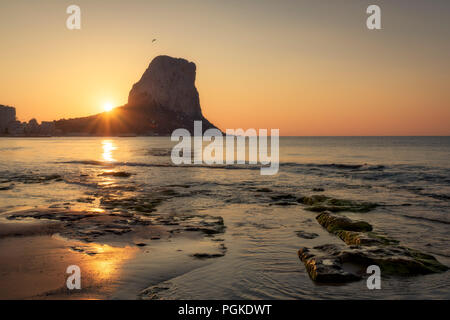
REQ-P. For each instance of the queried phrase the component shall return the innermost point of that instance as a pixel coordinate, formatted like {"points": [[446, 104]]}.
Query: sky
{"points": [[308, 68]]}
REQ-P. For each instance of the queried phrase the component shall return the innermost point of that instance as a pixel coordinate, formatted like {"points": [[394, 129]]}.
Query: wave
{"points": [[162, 165], [426, 219], [160, 152], [394, 174], [443, 197], [342, 166]]}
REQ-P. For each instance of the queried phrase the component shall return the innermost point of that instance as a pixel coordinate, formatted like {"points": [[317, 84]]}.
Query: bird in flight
{"points": [[153, 40]]}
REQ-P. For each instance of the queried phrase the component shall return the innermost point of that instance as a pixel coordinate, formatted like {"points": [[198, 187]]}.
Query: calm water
{"points": [[409, 177]]}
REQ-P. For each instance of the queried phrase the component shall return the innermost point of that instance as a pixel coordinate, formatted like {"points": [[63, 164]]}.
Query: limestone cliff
{"points": [[164, 99], [170, 83]]}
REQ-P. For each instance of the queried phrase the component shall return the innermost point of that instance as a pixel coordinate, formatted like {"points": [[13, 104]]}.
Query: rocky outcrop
{"points": [[168, 82], [320, 203], [335, 223], [327, 263], [306, 235], [164, 99]]}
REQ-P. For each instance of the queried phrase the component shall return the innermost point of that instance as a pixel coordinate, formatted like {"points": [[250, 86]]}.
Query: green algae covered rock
{"points": [[368, 247], [319, 203], [335, 223]]}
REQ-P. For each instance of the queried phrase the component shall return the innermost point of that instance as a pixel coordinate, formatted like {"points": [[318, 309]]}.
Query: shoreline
{"points": [[105, 263], [157, 232]]}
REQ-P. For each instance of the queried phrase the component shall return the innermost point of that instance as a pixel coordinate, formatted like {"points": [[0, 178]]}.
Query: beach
{"points": [[140, 227]]}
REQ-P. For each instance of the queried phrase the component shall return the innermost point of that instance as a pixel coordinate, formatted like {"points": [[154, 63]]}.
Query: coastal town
{"points": [[10, 126]]}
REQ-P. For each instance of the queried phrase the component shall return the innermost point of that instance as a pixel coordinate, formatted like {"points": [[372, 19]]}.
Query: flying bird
{"points": [[153, 40]]}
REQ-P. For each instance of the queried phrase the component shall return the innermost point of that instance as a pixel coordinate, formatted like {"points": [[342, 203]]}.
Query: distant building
{"points": [[16, 128], [10, 126], [47, 128], [7, 116]]}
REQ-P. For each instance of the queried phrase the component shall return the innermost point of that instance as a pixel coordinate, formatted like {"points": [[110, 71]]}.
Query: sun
{"points": [[107, 106]]}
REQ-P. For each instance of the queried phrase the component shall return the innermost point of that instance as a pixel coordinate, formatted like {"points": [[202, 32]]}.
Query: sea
{"points": [[407, 177]]}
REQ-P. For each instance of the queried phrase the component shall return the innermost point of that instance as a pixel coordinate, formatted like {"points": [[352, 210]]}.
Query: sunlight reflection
{"points": [[108, 147], [109, 260], [103, 262]]}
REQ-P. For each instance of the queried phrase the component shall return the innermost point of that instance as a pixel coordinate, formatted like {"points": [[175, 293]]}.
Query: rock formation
{"points": [[329, 263], [164, 99]]}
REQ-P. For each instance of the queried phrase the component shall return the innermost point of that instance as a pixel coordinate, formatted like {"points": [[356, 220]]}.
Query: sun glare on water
{"points": [[108, 106]]}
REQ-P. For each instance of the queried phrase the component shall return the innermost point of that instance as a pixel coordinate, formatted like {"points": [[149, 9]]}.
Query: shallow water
{"points": [[409, 177]]}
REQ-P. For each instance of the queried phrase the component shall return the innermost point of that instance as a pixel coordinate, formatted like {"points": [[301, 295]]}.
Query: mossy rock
{"points": [[372, 248], [334, 223], [320, 203], [119, 174], [394, 260], [363, 238], [325, 269], [326, 263], [427, 260], [312, 200]]}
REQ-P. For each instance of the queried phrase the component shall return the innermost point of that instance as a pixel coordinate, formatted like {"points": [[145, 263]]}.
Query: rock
{"points": [[85, 200], [306, 235], [204, 230], [319, 203], [283, 199], [352, 232], [283, 196], [207, 255], [394, 260], [120, 174], [283, 203], [169, 82], [140, 244], [326, 269], [164, 99], [51, 214], [264, 190], [312, 200], [335, 223], [160, 152], [103, 227], [367, 248], [151, 293], [4, 188], [30, 178], [363, 238], [327, 263]]}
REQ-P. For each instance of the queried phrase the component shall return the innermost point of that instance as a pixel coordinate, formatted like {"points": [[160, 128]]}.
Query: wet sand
{"points": [[35, 258], [38, 269]]}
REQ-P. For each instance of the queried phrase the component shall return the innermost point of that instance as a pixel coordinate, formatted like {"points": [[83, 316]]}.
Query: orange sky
{"points": [[304, 67]]}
